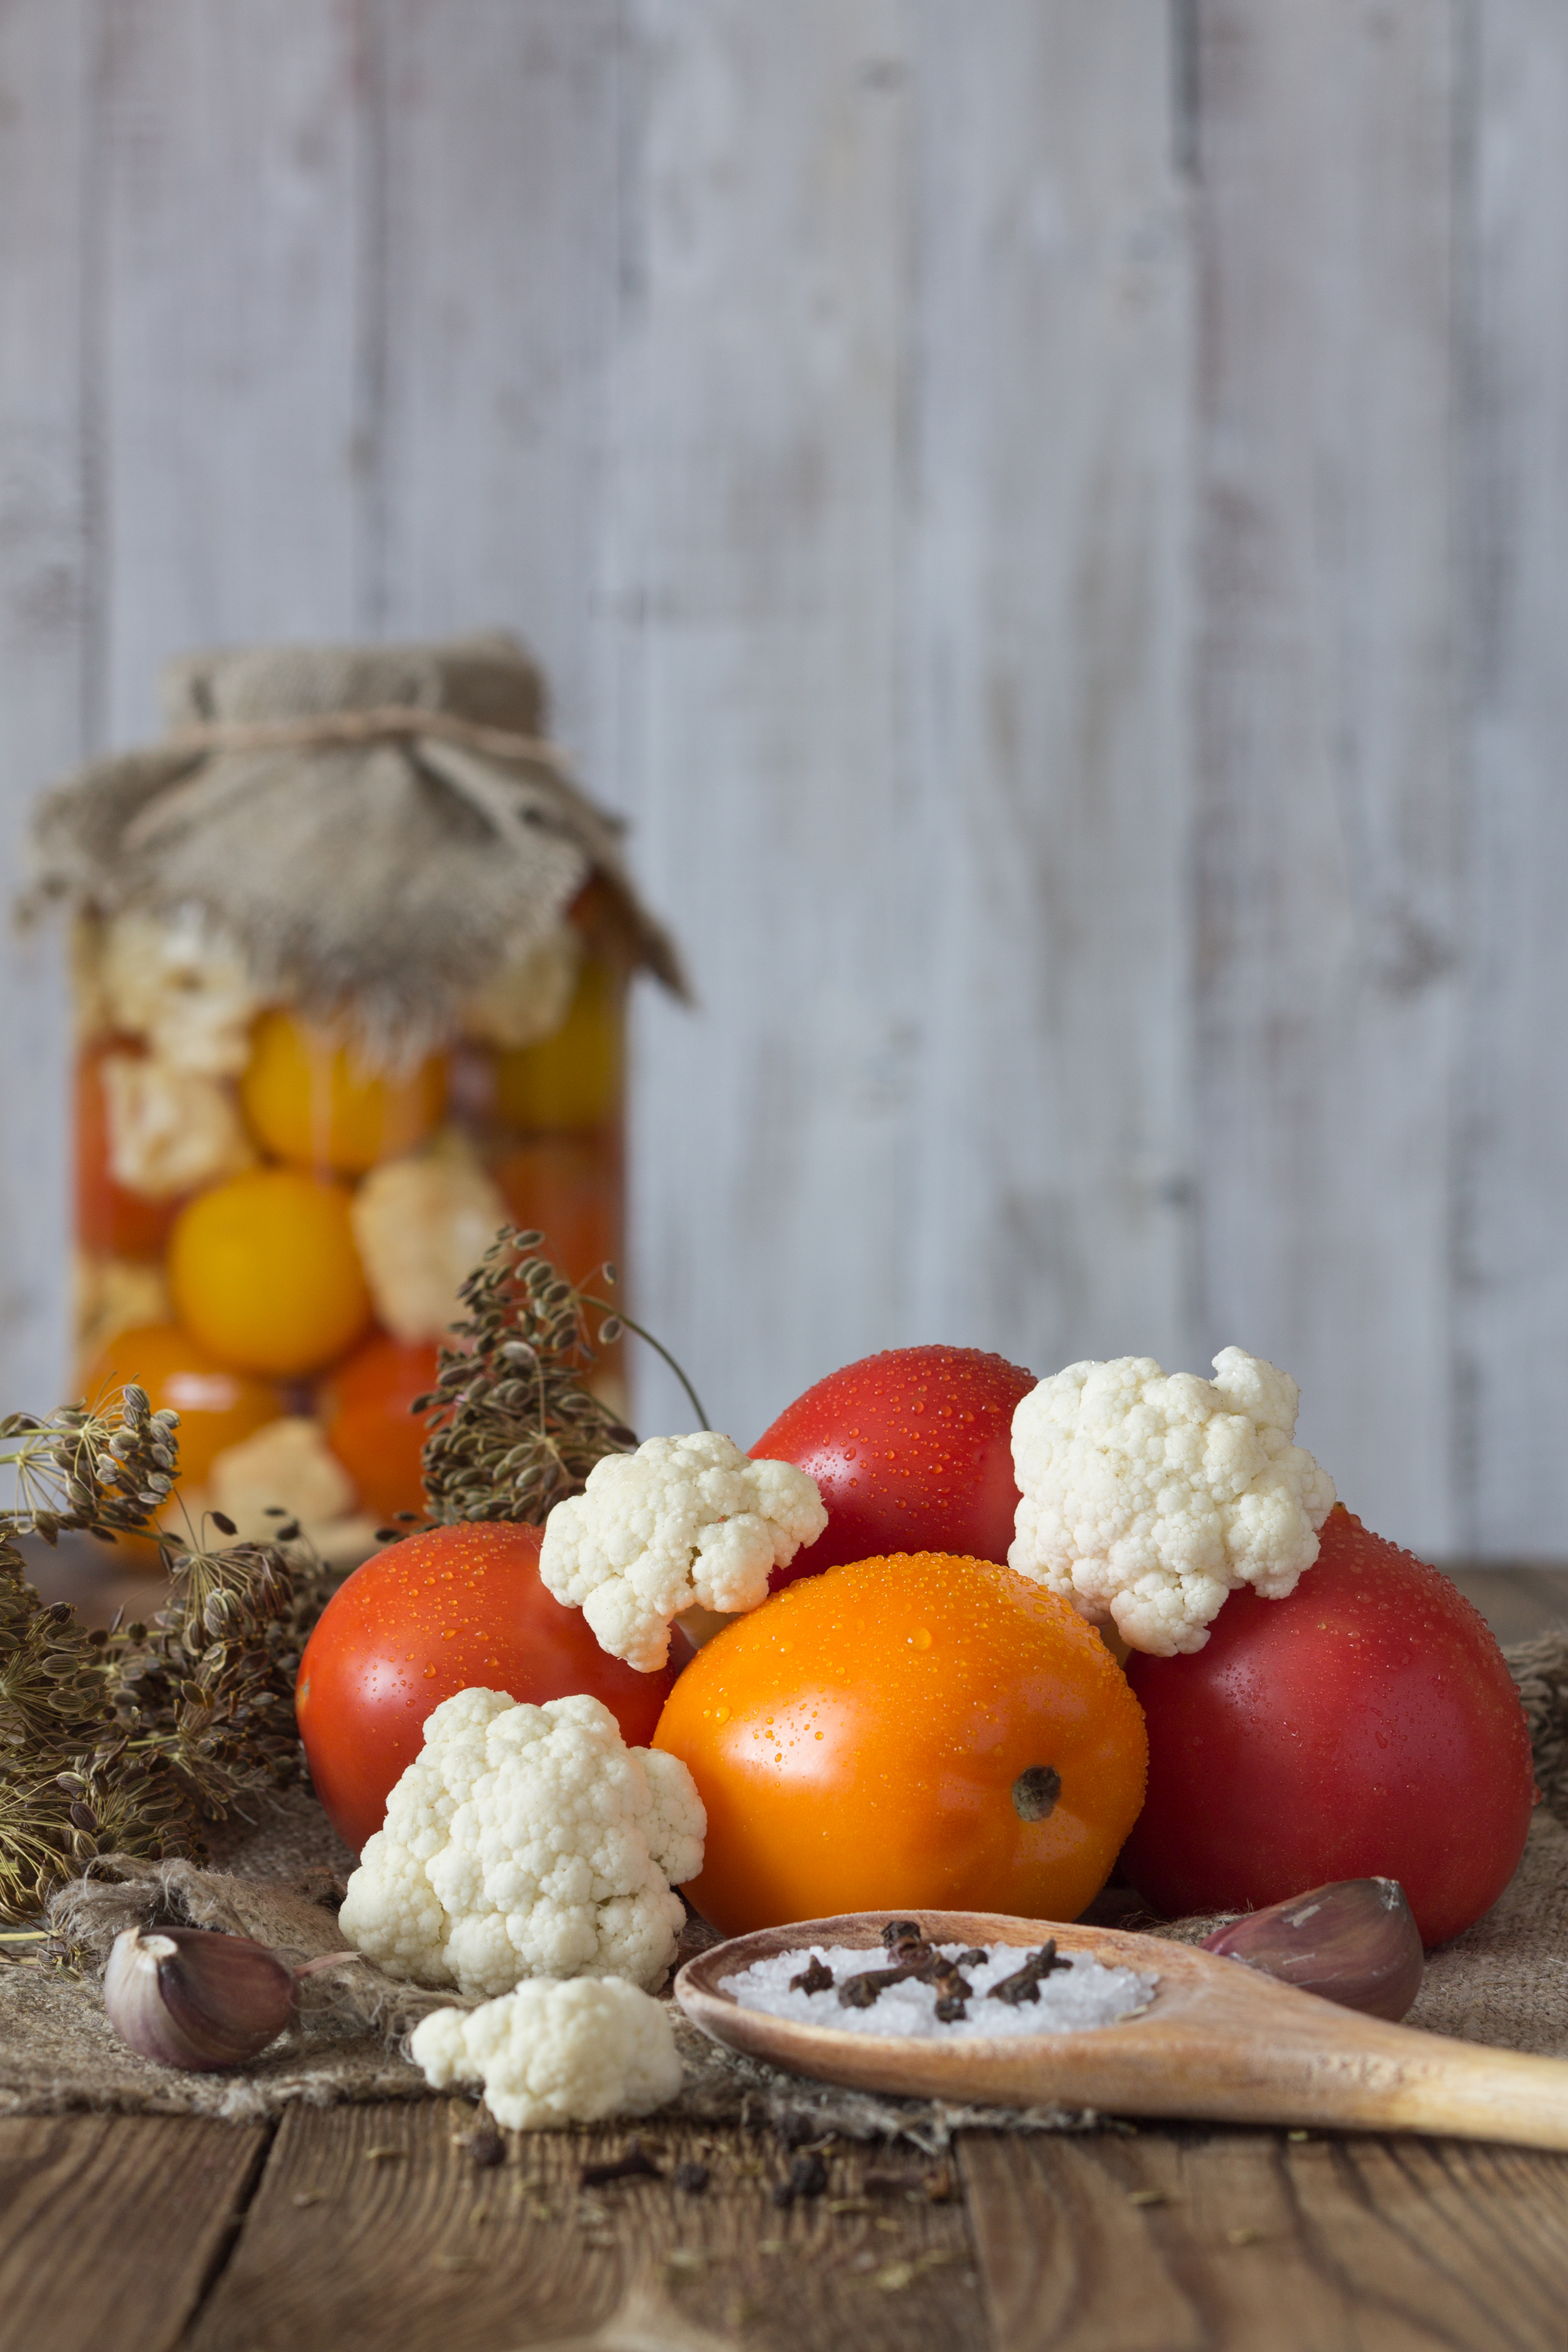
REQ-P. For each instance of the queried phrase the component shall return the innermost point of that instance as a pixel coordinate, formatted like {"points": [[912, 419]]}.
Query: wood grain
{"points": [[346, 2247], [110, 2227], [1517, 1602], [1511, 1123], [47, 601], [829, 392], [497, 257], [230, 367], [1047, 685], [1163, 2242], [1330, 839], [760, 378]]}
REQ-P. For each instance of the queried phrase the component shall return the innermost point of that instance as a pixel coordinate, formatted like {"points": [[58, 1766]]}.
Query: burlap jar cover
{"points": [[353, 922], [1504, 1981]]}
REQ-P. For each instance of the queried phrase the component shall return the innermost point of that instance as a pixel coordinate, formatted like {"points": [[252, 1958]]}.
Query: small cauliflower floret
{"points": [[169, 1130], [421, 1227], [1146, 1499], [527, 1841], [530, 994], [554, 2053], [183, 987], [682, 1521]]}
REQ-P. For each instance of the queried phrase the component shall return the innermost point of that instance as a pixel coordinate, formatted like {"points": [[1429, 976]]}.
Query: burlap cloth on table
{"points": [[1504, 1981]]}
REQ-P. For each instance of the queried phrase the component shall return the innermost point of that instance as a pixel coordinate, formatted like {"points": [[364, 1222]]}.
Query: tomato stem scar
{"points": [[1035, 1790]]}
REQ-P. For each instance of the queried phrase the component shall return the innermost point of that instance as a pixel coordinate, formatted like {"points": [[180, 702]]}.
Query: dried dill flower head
{"points": [[514, 1427], [127, 1741], [205, 1692], [68, 1791], [105, 1470]]}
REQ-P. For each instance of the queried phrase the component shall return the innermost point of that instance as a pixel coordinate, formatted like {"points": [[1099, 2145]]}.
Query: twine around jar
{"points": [[390, 722]]}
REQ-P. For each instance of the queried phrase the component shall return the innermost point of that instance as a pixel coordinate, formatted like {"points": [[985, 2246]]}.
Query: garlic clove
{"points": [[1353, 1942], [189, 1997]]}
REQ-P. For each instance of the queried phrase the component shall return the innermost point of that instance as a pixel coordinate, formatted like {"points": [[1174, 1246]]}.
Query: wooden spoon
{"points": [[1218, 2042]]}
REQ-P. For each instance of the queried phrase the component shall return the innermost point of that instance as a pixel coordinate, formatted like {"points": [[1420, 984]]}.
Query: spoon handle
{"points": [[1333, 2069]]}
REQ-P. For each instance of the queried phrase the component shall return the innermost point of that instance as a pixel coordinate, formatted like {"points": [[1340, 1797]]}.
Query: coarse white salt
{"points": [[1084, 1994]]}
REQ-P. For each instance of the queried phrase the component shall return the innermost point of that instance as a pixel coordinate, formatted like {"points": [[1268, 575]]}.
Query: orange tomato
{"points": [[915, 1732], [217, 1407], [571, 1081], [109, 1218], [369, 1425], [569, 1189], [263, 1271], [309, 1101]]}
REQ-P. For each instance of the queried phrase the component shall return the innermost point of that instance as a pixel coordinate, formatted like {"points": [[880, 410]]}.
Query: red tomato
{"points": [[1367, 1726], [109, 1216], [568, 1187], [369, 1425], [913, 1451], [446, 1610]]}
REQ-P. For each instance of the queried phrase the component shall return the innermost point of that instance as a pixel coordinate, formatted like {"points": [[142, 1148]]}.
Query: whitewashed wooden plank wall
{"points": [[1051, 522]]}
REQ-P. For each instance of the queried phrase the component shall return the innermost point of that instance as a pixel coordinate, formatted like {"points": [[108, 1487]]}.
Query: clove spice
{"points": [[913, 1959], [816, 1977], [1024, 1984], [635, 2165]]}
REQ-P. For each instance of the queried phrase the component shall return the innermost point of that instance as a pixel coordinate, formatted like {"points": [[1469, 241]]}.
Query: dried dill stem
{"points": [[124, 1742], [205, 1694], [63, 1796], [514, 1428]]}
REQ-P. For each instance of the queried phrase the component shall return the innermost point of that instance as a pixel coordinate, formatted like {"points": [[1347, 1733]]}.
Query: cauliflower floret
{"points": [[527, 1841], [1147, 1499], [169, 1130], [181, 986], [682, 1520], [530, 994], [288, 1468], [554, 2053], [422, 1226]]}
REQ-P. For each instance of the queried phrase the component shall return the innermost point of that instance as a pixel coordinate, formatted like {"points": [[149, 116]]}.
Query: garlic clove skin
{"points": [[1355, 1942], [189, 1997]]}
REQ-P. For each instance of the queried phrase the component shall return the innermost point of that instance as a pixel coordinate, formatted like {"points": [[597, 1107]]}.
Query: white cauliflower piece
{"points": [[169, 1130], [682, 1520], [1146, 1499], [112, 1295], [553, 2053], [184, 989], [422, 1226], [530, 994], [285, 1466], [527, 1841]]}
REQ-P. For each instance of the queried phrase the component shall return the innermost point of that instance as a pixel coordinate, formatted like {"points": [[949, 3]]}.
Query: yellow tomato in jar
{"points": [[264, 1272], [918, 1732], [312, 1103], [572, 1080]]}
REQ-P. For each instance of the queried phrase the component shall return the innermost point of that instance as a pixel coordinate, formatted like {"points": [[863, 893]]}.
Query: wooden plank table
{"points": [[374, 2227]]}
